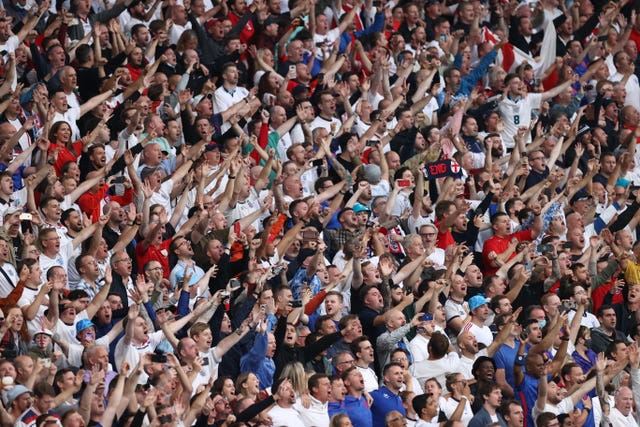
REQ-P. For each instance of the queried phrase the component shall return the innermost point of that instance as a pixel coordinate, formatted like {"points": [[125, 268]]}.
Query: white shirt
{"points": [[632, 87], [132, 352], [370, 379], [27, 298], [319, 122], [563, 407], [223, 99], [588, 319], [436, 368], [466, 364], [6, 286], [517, 113], [285, 417], [70, 116], [317, 415], [418, 348], [163, 196], [482, 333], [450, 407]]}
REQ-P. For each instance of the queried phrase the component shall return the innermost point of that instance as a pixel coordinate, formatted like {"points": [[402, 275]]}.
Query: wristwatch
{"points": [[519, 360]]}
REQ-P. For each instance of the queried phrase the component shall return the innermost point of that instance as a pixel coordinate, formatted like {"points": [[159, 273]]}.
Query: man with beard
{"points": [[550, 397], [572, 377]]}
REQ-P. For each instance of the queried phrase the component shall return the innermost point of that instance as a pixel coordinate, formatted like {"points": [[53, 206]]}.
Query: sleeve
{"points": [[14, 296], [470, 81], [108, 14], [386, 342], [255, 409], [251, 361], [319, 346]]}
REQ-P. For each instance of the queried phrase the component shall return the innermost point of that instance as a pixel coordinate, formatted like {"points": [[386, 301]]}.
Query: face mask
{"points": [[542, 323], [587, 343]]}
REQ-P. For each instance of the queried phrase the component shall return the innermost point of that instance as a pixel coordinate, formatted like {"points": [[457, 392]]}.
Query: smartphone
{"points": [[317, 162], [404, 182], [544, 248], [236, 228], [118, 180], [567, 245], [309, 235], [371, 142], [26, 217], [234, 283], [292, 71], [603, 38], [427, 317]]}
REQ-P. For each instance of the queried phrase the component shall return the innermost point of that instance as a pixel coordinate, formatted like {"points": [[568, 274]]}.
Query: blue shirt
{"points": [[385, 401], [358, 411], [527, 393], [504, 358]]}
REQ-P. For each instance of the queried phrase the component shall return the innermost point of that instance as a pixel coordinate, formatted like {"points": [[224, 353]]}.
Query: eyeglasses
{"points": [[155, 269], [350, 362], [184, 242], [94, 262], [123, 259]]}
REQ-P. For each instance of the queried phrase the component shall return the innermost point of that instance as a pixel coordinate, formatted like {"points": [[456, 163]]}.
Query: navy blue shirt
{"points": [[385, 401]]}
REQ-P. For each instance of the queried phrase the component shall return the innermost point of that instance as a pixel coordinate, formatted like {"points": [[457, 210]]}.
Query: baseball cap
{"points": [[477, 301], [13, 210], [44, 331], [359, 207], [83, 324], [15, 392]]}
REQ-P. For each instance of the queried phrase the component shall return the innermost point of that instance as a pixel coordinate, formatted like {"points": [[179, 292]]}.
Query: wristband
{"points": [[519, 360], [231, 177]]}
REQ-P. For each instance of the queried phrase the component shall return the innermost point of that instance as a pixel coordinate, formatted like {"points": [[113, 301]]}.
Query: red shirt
{"points": [[444, 239], [65, 155], [90, 203], [498, 245], [152, 253]]}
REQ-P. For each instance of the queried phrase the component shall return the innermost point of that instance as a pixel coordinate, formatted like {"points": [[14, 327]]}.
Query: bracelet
{"points": [[239, 332], [231, 177]]}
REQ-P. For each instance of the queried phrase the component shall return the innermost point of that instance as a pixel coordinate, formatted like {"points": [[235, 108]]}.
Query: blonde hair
{"points": [[294, 371]]}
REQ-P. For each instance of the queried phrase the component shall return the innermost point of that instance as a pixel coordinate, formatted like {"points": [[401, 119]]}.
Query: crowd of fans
{"points": [[314, 213]]}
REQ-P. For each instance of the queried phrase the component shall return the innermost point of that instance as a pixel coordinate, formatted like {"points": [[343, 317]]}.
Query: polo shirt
{"points": [[385, 401], [358, 410]]}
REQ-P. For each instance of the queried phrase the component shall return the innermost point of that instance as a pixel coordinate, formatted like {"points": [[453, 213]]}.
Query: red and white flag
{"points": [[510, 57]]}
